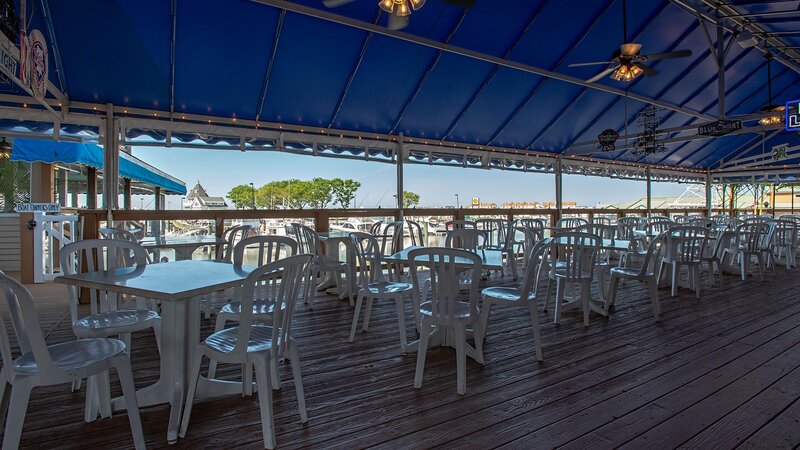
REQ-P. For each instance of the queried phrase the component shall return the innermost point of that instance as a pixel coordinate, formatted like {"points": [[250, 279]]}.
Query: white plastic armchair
{"points": [[444, 308], [646, 273], [47, 365], [255, 344]]}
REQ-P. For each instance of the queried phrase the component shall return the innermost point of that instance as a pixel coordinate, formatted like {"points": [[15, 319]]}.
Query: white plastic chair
{"points": [[374, 286], [47, 365], [523, 296], [269, 249], [574, 258], [443, 307], [232, 236], [308, 242], [498, 237], [752, 240], [686, 246], [568, 223], [415, 233], [647, 273], [466, 239], [256, 344], [784, 242]]}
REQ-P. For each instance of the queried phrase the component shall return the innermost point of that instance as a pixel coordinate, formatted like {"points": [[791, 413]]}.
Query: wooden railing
{"points": [[321, 217]]}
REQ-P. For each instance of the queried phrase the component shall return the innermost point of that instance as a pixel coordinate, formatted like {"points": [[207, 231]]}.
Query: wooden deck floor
{"points": [[721, 373]]}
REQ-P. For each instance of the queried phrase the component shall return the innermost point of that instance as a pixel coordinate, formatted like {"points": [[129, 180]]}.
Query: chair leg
{"points": [[585, 293], [276, 376], [298, 381], [401, 322], [265, 401], [356, 313], [613, 286], [696, 279], [461, 357], [760, 259], [104, 394], [247, 379], [560, 291], [743, 263], [675, 278], [547, 293], [20, 393], [652, 286], [537, 333], [367, 314], [483, 319], [125, 374], [92, 400], [194, 375], [424, 334], [157, 332], [219, 326], [601, 283]]}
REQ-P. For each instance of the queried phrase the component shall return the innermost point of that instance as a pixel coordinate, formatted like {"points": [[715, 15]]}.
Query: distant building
{"points": [[552, 205], [483, 205], [198, 198], [521, 205]]}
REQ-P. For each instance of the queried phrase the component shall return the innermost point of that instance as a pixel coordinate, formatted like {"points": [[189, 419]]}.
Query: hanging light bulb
{"points": [[777, 111], [403, 9], [417, 4], [387, 5]]}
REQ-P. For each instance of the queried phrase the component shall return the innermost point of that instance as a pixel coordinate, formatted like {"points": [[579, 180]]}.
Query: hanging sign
{"points": [[719, 128], [38, 207], [24, 59], [607, 138], [793, 115], [779, 152], [37, 62], [8, 64]]}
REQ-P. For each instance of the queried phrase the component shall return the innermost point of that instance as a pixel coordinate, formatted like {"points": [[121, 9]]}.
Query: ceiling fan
{"points": [[626, 63], [399, 10]]}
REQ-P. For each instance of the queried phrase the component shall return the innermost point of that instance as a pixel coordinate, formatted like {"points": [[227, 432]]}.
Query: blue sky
{"points": [[219, 170]]}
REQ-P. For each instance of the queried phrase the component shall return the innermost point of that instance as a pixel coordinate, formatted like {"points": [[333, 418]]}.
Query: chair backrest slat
{"points": [[445, 266], [465, 239]]}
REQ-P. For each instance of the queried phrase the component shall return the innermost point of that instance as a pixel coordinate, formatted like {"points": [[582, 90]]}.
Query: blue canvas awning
{"points": [[46, 151]]}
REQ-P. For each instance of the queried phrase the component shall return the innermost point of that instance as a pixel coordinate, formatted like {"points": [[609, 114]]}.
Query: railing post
{"points": [[559, 192], [399, 154], [321, 221]]}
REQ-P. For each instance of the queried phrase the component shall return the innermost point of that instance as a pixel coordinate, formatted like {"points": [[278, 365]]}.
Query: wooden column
{"points": [[26, 237], [62, 188], [91, 188], [42, 182], [126, 196]]}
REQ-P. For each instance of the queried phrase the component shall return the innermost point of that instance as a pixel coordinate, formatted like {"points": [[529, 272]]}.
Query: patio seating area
{"points": [[721, 371]]}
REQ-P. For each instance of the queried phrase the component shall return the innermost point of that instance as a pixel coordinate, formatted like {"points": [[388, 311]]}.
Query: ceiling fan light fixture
{"points": [[387, 5], [403, 9], [775, 118], [626, 72], [417, 4]]}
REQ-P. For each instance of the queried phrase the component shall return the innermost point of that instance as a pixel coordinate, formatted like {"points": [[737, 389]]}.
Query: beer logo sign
{"points": [[38, 64]]}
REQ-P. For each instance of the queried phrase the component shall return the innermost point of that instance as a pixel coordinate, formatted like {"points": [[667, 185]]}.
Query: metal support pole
{"points": [[126, 196], [774, 199], [708, 194], [792, 199], [110, 163], [649, 192], [559, 193], [721, 70], [399, 155]]}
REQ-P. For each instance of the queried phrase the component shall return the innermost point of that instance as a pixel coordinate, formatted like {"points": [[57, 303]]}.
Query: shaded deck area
{"points": [[723, 372]]}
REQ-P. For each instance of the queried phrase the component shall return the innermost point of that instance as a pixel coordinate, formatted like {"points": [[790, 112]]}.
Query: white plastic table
{"points": [[179, 286], [332, 240], [184, 246]]}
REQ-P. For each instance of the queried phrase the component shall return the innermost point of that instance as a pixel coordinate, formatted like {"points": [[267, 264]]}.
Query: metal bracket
{"points": [[31, 224]]}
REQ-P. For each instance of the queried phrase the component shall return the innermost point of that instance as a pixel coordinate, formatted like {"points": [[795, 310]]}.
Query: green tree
{"points": [[242, 196], [344, 191], [410, 199], [15, 181], [320, 193]]}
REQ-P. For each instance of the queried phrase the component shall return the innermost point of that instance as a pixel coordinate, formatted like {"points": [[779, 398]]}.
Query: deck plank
{"points": [[735, 351]]}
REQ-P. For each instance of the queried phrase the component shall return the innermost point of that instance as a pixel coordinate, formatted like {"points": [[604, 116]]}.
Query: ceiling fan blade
{"points": [[396, 22], [602, 74], [668, 55], [629, 49], [647, 71], [590, 63], [336, 3]]}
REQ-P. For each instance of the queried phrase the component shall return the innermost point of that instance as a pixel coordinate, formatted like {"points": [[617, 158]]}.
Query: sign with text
{"points": [[38, 207], [793, 115], [476, 201], [779, 152], [719, 128]]}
